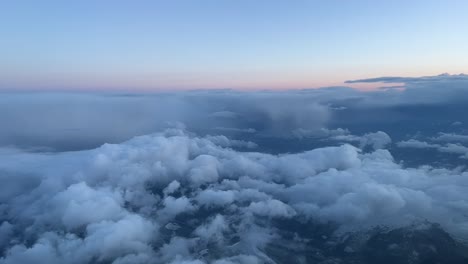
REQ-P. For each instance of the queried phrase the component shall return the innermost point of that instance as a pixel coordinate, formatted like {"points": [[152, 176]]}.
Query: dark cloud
{"points": [[426, 79], [444, 88]]}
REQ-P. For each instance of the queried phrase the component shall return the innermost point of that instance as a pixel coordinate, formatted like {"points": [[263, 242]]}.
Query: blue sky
{"points": [[153, 45]]}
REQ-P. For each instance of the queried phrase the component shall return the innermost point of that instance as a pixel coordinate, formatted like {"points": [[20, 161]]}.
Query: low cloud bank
{"points": [[62, 122]]}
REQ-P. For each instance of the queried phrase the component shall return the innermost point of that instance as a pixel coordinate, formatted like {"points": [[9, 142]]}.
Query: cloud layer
{"points": [[309, 176]]}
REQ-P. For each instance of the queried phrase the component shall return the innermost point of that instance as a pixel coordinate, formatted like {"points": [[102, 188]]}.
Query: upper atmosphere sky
{"points": [[212, 44]]}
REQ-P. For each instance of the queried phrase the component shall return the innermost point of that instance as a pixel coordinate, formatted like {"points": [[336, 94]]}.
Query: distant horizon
{"points": [[357, 84]]}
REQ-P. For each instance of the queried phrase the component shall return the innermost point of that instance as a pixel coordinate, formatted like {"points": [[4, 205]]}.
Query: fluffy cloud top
{"points": [[168, 197]]}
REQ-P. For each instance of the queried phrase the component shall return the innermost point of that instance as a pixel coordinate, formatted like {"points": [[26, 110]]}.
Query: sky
{"points": [[208, 44]]}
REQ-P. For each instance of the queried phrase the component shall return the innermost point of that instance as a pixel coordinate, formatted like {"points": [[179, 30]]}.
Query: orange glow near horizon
{"points": [[171, 82], [143, 86]]}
